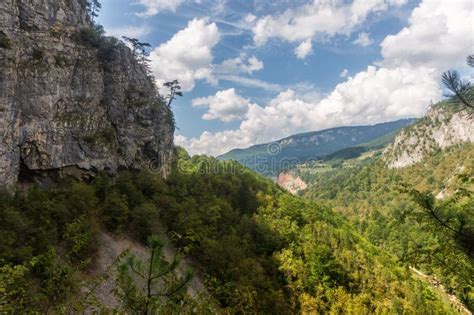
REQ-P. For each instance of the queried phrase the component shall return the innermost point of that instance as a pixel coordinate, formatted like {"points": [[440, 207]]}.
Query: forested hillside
{"points": [[415, 213], [259, 249], [101, 213], [270, 158]]}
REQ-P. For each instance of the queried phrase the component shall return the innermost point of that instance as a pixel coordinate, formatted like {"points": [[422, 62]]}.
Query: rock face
{"points": [[72, 102], [444, 125], [290, 182]]}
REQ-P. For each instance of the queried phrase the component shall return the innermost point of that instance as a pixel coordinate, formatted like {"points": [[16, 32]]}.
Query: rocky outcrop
{"points": [[73, 102], [291, 182], [444, 125]]}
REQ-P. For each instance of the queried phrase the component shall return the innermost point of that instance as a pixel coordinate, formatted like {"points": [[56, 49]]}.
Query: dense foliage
{"points": [[394, 210], [258, 249]]}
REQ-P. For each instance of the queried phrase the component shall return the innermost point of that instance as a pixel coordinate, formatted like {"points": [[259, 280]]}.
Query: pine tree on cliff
{"points": [[459, 88], [139, 49], [175, 90], [93, 7]]}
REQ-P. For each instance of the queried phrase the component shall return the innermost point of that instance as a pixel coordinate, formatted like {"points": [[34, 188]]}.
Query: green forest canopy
{"points": [[261, 250]]}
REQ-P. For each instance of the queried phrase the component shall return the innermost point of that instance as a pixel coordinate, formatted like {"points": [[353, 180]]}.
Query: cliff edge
{"points": [[444, 125], [72, 101]]}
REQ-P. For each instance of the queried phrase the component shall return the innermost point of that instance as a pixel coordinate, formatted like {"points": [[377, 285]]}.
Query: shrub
{"points": [[37, 54], [60, 60], [115, 212], [103, 137], [94, 37], [5, 42], [90, 36], [13, 288], [107, 48], [56, 278], [80, 236]]}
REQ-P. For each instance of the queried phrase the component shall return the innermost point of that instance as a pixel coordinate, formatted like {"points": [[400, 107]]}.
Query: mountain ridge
{"points": [[302, 147]]}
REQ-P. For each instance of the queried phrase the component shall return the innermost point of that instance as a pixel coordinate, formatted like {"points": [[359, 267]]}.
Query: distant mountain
{"points": [[270, 158], [357, 151], [444, 125]]}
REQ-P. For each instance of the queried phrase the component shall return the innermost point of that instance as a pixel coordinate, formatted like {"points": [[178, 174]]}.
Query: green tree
{"points": [[174, 90], [139, 49], [470, 60], [458, 87], [455, 216], [115, 212], [143, 285], [13, 288], [93, 7]]}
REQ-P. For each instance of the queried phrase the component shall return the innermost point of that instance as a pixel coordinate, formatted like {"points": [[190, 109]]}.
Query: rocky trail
{"points": [[435, 284]]}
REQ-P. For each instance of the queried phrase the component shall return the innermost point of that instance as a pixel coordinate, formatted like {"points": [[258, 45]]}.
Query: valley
{"points": [[270, 158], [330, 202]]}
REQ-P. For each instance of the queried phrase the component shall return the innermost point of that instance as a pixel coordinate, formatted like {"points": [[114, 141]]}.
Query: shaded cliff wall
{"points": [[72, 102]]}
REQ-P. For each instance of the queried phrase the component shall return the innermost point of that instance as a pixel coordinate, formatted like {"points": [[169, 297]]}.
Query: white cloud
{"points": [[344, 73], [153, 7], [187, 56], [129, 31], [363, 39], [304, 49], [241, 64], [439, 34], [372, 96], [225, 105], [318, 19], [402, 85]]}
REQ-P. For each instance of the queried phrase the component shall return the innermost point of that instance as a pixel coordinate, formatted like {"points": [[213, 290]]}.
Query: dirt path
{"points": [[433, 282], [110, 247]]}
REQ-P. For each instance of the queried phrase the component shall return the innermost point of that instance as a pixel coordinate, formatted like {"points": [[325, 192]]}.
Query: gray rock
{"points": [[442, 127], [71, 108]]}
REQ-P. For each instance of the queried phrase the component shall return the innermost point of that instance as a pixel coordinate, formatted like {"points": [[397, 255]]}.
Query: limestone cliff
{"points": [[444, 125], [72, 101], [291, 182]]}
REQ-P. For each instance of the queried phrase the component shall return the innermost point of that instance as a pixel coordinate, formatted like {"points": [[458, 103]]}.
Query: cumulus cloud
{"points": [[153, 7], [318, 19], [304, 49], [372, 96], [187, 56], [402, 85], [439, 35], [241, 64], [363, 39], [225, 105]]}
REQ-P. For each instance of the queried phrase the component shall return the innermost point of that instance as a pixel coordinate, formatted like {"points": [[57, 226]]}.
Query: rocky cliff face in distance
{"points": [[444, 125], [291, 182], [72, 101]]}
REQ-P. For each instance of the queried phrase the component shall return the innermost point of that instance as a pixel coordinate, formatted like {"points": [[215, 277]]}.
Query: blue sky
{"points": [[255, 71]]}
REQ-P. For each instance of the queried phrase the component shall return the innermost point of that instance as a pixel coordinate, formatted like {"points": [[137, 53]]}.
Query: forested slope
{"points": [[259, 249], [384, 205]]}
